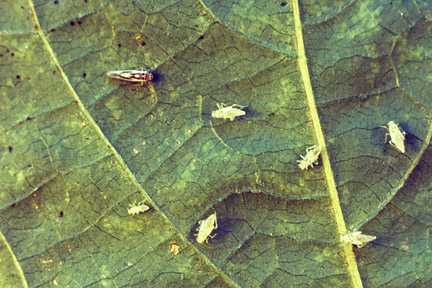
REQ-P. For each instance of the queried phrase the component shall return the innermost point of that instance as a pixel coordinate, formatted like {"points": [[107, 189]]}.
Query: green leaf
{"points": [[77, 148]]}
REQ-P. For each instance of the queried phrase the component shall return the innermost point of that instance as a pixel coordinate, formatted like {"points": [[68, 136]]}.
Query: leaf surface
{"points": [[77, 149]]}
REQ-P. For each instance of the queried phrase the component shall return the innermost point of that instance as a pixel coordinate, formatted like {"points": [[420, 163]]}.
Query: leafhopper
{"points": [[311, 157], [357, 238], [136, 76], [228, 112], [206, 227], [397, 136]]}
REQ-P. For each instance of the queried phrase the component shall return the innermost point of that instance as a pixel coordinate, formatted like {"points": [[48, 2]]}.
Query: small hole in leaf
{"points": [[56, 2], [143, 43], [201, 37], [52, 30], [18, 77], [79, 22], [283, 4], [12, 54], [29, 118], [84, 75], [10, 149], [72, 23], [61, 213], [119, 45], [29, 166]]}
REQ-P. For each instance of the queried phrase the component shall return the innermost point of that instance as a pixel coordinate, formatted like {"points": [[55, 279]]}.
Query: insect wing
{"points": [[397, 136], [398, 142]]}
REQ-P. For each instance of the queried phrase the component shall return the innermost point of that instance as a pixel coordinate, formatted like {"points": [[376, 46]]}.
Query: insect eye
{"points": [[149, 76]]}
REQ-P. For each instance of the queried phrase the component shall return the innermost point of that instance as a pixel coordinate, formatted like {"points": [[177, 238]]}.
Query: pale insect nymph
{"points": [[357, 238], [136, 76], [136, 209], [229, 112], [206, 227], [311, 157], [397, 136]]}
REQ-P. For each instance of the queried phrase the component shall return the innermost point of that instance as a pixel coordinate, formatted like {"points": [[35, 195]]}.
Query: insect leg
{"points": [[385, 140]]}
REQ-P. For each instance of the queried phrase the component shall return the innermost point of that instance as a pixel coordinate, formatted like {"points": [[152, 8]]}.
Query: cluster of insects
{"points": [[397, 139], [206, 226]]}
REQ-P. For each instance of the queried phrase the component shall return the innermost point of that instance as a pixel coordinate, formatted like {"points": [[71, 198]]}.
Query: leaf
{"points": [[77, 148]]}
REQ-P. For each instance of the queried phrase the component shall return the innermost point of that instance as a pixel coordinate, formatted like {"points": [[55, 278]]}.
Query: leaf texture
{"points": [[77, 148]]}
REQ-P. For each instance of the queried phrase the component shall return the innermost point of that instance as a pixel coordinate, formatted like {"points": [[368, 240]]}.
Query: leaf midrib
{"points": [[331, 185]]}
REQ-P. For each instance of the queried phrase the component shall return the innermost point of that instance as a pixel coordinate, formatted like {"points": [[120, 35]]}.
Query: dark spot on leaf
{"points": [[85, 1], [61, 213], [283, 4], [7, 50], [79, 22], [29, 166], [13, 205], [29, 118], [143, 43], [36, 27], [12, 54], [84, 75], [22, 7], [72, 23], [201, 37], [1, 55], [56, 2], [10, 149], [54, 72], [28, 78], [52, 30], [119, 45], [18, 77]]}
